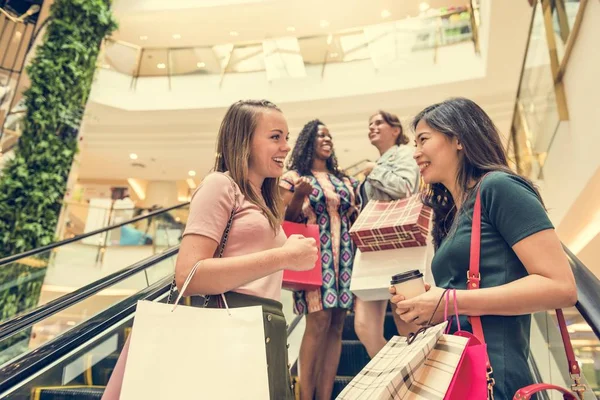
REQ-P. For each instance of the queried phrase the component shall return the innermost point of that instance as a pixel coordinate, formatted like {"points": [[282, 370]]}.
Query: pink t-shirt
{"points": [[210, 209]]}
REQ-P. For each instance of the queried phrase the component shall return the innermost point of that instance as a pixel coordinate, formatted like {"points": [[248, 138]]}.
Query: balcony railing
{"points": [[386, 43]]}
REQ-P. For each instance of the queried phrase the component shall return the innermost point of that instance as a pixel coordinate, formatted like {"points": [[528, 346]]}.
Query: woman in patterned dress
{"points": [[317, 191]]}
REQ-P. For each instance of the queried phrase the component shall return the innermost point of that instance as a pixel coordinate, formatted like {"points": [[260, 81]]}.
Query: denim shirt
{"points": [[395, 176]]}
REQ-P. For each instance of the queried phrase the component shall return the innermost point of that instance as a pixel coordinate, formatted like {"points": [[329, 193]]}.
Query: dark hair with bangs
{"points": [[482, 153]]}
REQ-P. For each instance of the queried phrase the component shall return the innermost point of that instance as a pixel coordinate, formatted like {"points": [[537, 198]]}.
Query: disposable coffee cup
{"points": [[409, 284]]}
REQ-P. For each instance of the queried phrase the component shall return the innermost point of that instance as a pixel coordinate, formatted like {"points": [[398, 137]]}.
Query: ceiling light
{"points": [[176, 36], [423, 6], [234, 33], [161, 66], [133, 156], [386, 14], [201, 65], [291, 29], [143, 37], [192, 173], [324, 23]]}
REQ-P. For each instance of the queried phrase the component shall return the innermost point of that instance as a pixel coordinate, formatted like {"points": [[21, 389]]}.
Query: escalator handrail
{"points": [[23, 321], [588, 292], [29, 363], [33, 252]]}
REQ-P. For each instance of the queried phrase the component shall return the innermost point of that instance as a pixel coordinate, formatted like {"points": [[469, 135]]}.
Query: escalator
{"points": [[77, 363], [68, 345], [35, 277]]}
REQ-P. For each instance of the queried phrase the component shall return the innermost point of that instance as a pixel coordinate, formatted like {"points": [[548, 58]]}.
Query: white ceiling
{"points": [[170, 143], [206, 23]]}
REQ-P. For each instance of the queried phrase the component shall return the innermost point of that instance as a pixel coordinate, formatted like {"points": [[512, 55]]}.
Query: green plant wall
{"points": [[33, 183]]}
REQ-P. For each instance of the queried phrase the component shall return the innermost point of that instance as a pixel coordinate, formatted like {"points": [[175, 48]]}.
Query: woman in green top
{"points": [[523, 266]]}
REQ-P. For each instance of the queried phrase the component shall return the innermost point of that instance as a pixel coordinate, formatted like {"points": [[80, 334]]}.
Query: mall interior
{"points": [[95, 204]]}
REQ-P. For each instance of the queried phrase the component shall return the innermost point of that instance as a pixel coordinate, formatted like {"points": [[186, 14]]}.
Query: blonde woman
{"points": [[252, 145]]}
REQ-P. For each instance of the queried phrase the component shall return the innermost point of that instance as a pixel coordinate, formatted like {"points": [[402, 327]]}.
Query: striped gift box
{"points": [[386, 225], [420, 371]]}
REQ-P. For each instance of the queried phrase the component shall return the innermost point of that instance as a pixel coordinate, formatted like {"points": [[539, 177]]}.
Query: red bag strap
{"points": [[474, 281], [473, 276], [564, 333]]}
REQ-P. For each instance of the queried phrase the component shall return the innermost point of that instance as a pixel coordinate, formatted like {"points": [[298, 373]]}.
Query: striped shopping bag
{"points": [[422, 370]]}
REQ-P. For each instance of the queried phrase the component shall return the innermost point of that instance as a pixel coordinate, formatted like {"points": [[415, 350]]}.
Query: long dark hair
{"points": [[304, 152], [233, 152], [482, 153]]}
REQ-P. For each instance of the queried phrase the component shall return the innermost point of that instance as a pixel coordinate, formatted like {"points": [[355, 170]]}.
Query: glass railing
{"points": [[71, 317], [564, 16], [536, 116], [160, 231], [541, 106], [16, 38], [77, 358], [33, 280], [383, 43]]}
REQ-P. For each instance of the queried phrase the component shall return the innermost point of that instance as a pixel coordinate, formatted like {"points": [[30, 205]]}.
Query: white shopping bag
{"points": [[196, 353], [179, 352], [373, 270]]}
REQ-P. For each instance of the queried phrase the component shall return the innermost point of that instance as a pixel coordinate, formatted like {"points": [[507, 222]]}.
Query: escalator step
{"points": [[389, 327], [339, 384], [354, 357], [68, 393]]}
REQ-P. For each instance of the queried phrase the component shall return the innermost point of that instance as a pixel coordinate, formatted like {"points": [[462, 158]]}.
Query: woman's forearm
{"points": [[527, 295], [219, 275], [294, 209]]}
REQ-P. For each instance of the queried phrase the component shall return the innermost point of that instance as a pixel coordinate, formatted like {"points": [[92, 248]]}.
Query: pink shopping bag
{"points": [[470, 380]]}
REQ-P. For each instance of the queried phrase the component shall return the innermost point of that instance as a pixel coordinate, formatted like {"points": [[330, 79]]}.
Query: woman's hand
{"points": [[303, 187], [301, 253], [418, 310]]}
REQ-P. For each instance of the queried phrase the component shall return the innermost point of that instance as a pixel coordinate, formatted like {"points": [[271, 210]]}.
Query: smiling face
{"points": [[269, 146], [381, 134], [437, 155], [323, 143]]}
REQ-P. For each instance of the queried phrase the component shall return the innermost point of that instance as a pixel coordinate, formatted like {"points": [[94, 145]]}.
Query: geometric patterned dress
{"points": [[333, 205]]}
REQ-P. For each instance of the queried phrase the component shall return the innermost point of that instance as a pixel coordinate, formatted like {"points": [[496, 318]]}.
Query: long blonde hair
{"points": [[233, 153]]}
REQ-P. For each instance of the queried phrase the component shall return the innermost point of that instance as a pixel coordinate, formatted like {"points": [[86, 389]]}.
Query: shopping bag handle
{"points": [[447, 295], [187, 282], [528, 391], [413, 335]]}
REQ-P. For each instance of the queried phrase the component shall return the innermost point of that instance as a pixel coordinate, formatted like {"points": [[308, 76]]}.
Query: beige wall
{"points": [[574, 157]]}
